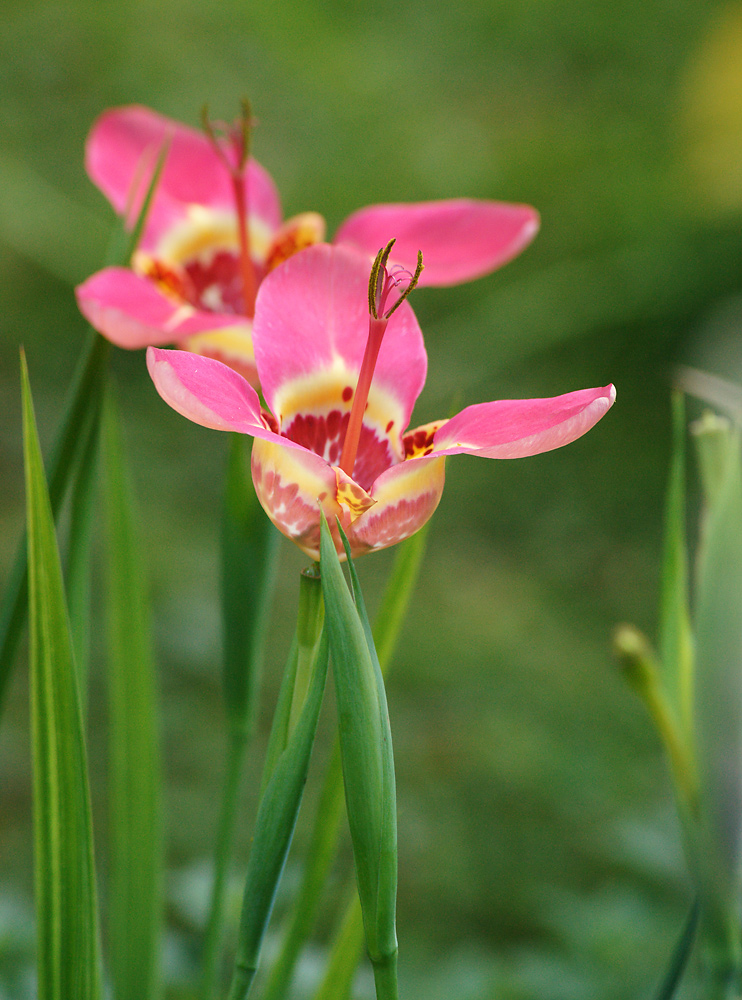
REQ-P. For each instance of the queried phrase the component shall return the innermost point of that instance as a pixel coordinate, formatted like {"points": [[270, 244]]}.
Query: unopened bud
{"points": [[636, 657]]}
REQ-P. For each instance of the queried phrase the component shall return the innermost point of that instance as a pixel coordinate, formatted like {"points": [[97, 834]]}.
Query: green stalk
{"points": [[385, 977], [328, 818]]}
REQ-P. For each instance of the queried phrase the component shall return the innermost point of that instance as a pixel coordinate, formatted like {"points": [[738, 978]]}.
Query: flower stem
{"points": [[247, 268], [237, 741], [385, 977]]}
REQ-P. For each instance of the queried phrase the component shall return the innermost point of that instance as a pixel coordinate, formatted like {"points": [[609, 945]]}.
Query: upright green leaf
{"points": [[676, 646], [326, 830], [79, 577], [134, 765], [368, 766], [66, 905]]}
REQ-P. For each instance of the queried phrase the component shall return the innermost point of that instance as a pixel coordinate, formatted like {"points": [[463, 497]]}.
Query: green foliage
{"points": [[80, 415], [719, 712], [368, 764], [135, 905], [66, 906], [274, 826], [83, 494]]}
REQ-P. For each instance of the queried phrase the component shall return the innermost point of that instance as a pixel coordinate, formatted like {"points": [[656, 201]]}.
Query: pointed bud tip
{"points": [[635, 656]]}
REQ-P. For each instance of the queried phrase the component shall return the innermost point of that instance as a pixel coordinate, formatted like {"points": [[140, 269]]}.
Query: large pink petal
{"points": [[460, 239], [122, 150], [311, 318], [516, 428], [131, 312], [211, 394], [406, 496], [292, 484]]}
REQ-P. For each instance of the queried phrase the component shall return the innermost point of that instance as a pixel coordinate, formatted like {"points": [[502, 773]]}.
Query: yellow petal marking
{"points": [[353, 498]]}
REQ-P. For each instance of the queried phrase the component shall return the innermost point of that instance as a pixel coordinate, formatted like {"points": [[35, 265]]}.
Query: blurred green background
{"points": [[539, 854]]}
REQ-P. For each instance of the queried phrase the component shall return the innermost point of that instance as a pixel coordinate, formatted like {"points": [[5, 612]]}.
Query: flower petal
{"points": [[516, 428], [121, 153], [291, 485], [232, 346], [209, 393], [406, 496], [131, 312], [311, 323], [460, 239]]}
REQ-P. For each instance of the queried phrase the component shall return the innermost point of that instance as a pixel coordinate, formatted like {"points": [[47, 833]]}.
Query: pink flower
{"points": [[187, 284], [311, 339]]}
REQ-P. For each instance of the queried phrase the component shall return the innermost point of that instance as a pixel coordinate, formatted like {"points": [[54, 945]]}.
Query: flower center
{"points": [[314, 411], [387, 289]]}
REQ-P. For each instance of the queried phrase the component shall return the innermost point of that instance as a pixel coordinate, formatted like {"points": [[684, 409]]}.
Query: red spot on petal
{"points": [[324, 435], [347, 393], [389, 426]]}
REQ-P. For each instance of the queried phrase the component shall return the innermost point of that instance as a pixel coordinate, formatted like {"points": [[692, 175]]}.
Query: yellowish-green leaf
{"points": [[676, 644]]}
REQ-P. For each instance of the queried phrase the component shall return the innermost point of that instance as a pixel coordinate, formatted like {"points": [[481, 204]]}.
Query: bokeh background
{"points": [[539, 854]]}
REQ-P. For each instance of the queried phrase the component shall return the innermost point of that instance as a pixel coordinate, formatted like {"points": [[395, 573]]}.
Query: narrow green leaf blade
{"points": [[326, 830], [82, 400], [66, 902], [368, 767], [680, 956], [134, 767], [79, 582], [274, 829], [398, 593], [676, 648]]}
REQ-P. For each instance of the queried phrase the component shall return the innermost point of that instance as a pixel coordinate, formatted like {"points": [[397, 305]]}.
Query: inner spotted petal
{"points": [[317, 418], [295, 234], [198, 260], [419, 442]]}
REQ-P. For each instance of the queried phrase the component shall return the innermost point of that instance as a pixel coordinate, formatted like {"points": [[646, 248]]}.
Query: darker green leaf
{"points": [[66, 905]]}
